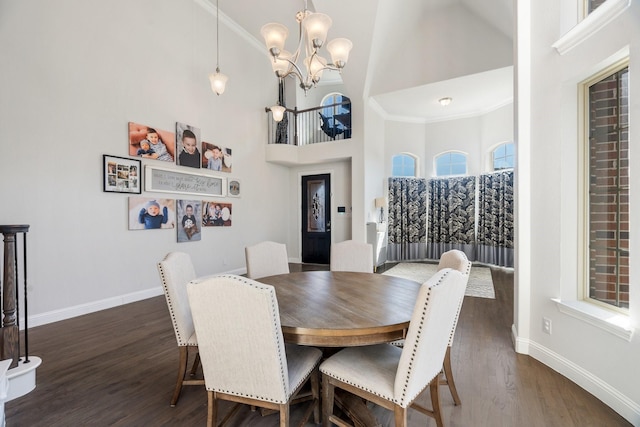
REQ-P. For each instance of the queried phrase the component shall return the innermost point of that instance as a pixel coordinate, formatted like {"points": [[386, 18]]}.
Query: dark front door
{"points": [[316, 218]]}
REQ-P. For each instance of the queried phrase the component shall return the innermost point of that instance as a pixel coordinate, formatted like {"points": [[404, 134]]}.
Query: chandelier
{"points": [[312, 30]]}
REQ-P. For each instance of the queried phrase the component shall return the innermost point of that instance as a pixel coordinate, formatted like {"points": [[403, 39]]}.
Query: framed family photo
{"points": [[121, 175]]}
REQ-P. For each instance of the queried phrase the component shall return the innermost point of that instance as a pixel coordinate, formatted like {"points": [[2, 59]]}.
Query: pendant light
{"points": [[218, 80]]}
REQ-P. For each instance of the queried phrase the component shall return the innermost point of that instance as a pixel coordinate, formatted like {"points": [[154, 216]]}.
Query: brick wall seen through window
{"points": [[609, 189]]}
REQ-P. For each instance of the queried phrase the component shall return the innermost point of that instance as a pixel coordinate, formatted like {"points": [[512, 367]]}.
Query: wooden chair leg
{"points": [[435, 402], [315, 392], [196, 364], [284, 415], [448, 373], [182, 369], [327, 401], [211, 409], [400, 416]]}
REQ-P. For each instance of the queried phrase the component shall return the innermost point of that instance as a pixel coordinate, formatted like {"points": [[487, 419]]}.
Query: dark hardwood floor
{"points": [[117, 367]]}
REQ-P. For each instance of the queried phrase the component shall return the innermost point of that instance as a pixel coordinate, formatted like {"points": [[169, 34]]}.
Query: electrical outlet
{"points": [[546, 325]]}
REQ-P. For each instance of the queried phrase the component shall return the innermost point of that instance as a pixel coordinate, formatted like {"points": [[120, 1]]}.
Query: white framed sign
{"points": [[166, 180]]}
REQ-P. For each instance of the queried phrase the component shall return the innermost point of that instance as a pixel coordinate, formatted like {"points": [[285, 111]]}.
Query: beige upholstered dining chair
{"points": [[457, 260], [266, 259], [259, 369], [351, 255], [176, 270], [393, 377]]}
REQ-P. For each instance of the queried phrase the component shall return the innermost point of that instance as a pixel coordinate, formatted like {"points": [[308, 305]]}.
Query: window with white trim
{"points": [[606, 181], [336, 110], [451, 163], [404, 164], [503, 156]]}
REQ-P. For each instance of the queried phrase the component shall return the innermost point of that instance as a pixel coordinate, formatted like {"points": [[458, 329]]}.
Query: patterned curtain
{"points": [[495, 219], [451, 216], [407, 219]]}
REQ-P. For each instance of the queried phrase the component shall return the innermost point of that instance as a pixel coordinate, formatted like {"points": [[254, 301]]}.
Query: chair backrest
{"points": [[457, 260], [428, 335], [350, 255], [176, 270], [239, 337], [266, 259]]}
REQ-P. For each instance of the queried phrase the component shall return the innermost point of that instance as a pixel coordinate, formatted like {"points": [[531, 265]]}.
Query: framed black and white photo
{"points": [[121, 175]]}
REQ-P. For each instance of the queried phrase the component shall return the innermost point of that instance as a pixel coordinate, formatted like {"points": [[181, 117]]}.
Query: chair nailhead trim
{"points": [[180, 339], [414, 349], [275, 316]]}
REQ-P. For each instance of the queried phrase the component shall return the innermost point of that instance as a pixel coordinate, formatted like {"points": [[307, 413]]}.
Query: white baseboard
{"points": [[613, 398], [79, 310]]}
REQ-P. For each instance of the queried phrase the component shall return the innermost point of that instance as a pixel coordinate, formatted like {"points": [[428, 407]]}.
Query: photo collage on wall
{"points": [[184, 148], [189, 216]]}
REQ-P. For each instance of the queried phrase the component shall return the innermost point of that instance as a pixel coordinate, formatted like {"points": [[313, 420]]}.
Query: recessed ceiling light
{"points": [[445, 101]]}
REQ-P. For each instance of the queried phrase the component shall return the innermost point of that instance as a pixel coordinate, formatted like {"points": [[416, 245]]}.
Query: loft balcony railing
{"points": [[311, 126]]}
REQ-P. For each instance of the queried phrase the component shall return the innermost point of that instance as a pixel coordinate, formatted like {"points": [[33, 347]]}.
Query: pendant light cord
{"points": [[217, 36]]}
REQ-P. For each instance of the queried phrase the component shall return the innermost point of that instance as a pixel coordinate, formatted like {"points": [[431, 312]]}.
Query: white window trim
{"points": [[578, 305], [416, 163], [493, 148], [597, 19], [435, 164], [615, 323]]}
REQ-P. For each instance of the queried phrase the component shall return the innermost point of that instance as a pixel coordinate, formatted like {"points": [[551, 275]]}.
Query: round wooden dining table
{"points": [[343, 309]]}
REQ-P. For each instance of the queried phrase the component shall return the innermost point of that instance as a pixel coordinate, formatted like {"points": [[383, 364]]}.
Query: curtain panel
{"points": [[407, 219], [495, 219], [451, 216]]}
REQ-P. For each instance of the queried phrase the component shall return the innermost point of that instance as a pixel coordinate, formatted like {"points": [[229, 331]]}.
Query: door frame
{"points": [[331, 174]]}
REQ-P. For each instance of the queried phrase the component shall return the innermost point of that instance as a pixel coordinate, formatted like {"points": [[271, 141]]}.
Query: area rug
{"points": [[480, 283]]}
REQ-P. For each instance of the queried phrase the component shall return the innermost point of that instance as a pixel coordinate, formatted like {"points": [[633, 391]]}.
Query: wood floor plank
{"points": [[117, 367]]}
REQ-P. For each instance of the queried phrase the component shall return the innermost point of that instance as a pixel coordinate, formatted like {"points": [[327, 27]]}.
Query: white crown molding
{"points": [[597, 19], [443, 118], [210, 7]]}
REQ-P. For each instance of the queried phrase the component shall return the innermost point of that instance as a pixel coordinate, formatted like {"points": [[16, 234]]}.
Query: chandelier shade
{"points": [[317, 25], [313, 30], [339, 50], [280, 65], [275, 36]]}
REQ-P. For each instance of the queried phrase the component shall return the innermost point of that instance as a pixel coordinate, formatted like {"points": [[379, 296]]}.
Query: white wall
{"points": [[340, 196], [73, 74], [595, 359], [433, 45], [375, 160], [475, 136]]}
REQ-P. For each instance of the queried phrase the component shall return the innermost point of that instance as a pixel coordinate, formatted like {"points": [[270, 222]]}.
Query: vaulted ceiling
{"points": [[409, 53]]}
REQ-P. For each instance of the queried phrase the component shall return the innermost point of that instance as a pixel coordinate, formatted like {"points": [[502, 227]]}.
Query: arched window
{"points": [[451, 163], [404, 164], [503, 156], [336, 114]]}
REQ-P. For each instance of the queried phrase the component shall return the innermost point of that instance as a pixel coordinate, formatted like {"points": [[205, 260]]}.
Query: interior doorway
{"points": [[316, 218]]}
